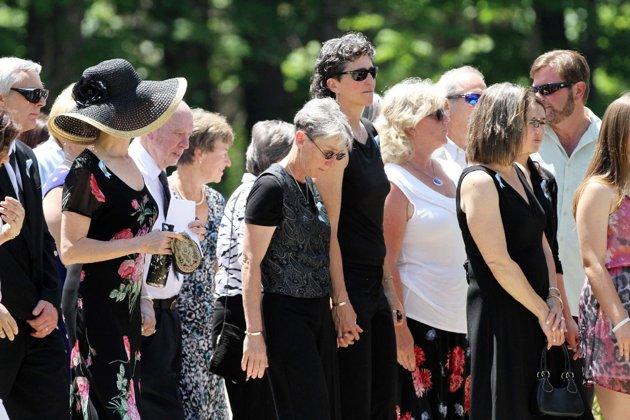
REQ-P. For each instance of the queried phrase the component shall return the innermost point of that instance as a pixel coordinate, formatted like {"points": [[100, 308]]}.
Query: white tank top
{"points": [[432, 254]]}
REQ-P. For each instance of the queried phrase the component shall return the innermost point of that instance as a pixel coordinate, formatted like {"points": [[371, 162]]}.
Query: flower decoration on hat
{"points": [[89, 91]]}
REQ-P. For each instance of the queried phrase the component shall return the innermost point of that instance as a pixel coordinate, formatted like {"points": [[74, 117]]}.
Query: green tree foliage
{"points": [[253, 60]]}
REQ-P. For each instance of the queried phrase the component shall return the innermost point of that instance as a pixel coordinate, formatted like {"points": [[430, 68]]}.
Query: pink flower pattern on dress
{"points": [[421, 381], [96, 191], [123, 234], [127, 347], [75, 355], [132, 409]]}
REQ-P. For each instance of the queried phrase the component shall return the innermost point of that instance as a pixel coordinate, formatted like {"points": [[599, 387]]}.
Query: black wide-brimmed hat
{"points": [[111, 97]]}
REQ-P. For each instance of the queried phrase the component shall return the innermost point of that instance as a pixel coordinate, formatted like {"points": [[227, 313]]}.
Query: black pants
{"points": [[303, 370], [368, 369], [555, 360], [34, 381], [161, 368], [252, 399]]}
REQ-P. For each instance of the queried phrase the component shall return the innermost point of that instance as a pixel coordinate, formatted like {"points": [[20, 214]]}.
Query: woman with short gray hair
{"points": [[270, 142], [286, 253]]}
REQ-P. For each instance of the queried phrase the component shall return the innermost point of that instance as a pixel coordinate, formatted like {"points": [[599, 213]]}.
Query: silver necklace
{"points": [[437, 181], [305, 195]]}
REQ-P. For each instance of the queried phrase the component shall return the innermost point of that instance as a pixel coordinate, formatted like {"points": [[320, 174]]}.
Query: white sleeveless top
{"points": [[432, 254]]}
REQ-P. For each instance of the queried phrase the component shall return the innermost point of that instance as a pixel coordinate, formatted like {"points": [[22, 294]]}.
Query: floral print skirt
{"points": [[439, 388], [603, 365]]}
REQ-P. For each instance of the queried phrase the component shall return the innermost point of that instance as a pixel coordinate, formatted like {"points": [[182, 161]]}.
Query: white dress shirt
{"points": [[15, 177], [452, 153], [569, 173], [49, 156], [150, 172]]}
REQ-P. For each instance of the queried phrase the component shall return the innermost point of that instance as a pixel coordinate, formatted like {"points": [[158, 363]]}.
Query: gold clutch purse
{"points": [[186, 254]]}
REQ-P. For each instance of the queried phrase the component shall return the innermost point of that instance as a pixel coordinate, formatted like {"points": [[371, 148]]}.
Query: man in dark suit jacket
{"points": [[33, 370]]}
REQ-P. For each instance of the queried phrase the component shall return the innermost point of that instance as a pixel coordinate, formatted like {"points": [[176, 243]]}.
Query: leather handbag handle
{"points": [[544, 371]]}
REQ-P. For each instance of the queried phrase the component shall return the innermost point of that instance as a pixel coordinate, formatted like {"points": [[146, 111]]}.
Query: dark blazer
{"points": [[27, 269]]}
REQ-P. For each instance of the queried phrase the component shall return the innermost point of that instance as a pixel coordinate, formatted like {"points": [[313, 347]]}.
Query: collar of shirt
{"points": [[144, 160], [247, 177], [590, 135]]}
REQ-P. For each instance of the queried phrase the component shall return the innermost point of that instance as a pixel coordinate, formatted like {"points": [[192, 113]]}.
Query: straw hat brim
{"points": [[126, 116]]}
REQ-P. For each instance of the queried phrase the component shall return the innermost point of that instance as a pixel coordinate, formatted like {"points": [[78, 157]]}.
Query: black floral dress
{"points": [[202, 393], [105, 355]]}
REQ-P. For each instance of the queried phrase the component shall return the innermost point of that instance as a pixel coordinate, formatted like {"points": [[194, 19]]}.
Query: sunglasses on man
{"points": [[329, 154], [359, 75], [471, 98], [33, 95], [550, 88]]}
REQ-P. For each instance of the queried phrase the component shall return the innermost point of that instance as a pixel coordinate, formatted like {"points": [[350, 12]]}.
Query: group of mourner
{"points": [[447, 250]]}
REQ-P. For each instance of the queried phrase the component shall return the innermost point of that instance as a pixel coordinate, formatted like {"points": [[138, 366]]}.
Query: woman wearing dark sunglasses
{"points": [[354, 193]]}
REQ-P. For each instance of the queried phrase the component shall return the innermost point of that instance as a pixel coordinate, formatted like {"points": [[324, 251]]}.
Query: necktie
{"points": [[166, 193], [14, 166]]}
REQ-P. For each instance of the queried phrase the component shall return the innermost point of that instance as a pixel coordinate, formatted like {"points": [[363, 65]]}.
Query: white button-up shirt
{"points": [[150, 172], [569, 173], [49, 156], [452, 152]]}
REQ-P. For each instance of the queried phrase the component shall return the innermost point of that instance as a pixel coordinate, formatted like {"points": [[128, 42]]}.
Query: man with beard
{"points": [[560, 79]]}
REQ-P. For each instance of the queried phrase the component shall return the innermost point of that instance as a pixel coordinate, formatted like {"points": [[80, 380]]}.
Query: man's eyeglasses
{"points": [[438, 115], [329, 154], [359, 75], [471, 98], [550, 88], [33, 95]]}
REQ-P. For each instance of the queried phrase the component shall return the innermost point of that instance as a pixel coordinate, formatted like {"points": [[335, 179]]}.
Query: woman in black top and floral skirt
{"points": [[367, 366], [286, 248], [108, 214]]}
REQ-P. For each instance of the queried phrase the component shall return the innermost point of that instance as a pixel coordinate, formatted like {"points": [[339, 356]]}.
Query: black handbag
{"points": [[227, 352], [565, 401]]}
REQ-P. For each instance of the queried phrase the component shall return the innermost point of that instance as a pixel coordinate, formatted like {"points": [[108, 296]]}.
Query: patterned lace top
{"points": [[618, 249]]}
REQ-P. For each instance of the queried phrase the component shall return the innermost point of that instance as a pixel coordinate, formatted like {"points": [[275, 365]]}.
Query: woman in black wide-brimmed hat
{"points": [[108, 214]]}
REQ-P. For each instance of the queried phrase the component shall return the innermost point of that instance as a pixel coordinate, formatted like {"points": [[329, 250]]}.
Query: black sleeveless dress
{"points": [[505, 338]]}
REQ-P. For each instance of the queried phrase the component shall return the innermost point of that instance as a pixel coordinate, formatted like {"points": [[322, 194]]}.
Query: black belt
{"points": [[170, 303]]}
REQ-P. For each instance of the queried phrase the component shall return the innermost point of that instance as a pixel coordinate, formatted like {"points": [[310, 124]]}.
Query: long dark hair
{"points": [[610, 161]]}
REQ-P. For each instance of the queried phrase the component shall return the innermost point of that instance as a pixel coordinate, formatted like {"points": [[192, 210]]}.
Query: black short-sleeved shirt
{"points": [[264, 203], [365, 187]]}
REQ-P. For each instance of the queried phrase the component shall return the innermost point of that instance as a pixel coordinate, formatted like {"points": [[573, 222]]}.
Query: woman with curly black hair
{"points": [[363, 298]]}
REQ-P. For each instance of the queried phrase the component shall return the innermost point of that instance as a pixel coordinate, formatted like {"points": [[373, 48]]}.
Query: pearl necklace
{"points": [[197, 203]]}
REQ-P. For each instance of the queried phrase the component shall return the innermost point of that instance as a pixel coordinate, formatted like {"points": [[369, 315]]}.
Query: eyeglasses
{"points": [[33, 95], [550, 88], [438, 115], [329, 154], [536, 123], [471, 98], [359, 75]]}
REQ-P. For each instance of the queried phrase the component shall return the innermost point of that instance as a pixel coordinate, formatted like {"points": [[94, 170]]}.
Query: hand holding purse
{"points": [[565, 401]]}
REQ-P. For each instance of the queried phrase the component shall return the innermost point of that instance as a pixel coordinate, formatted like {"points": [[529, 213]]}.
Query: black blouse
{"points": [[365, 187]]}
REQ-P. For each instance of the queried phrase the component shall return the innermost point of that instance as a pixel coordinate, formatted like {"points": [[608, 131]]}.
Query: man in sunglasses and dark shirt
{"points": [[463, 87], [34, 379], [560, 78]]}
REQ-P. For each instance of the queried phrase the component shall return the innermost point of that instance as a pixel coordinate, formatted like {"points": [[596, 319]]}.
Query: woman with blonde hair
{"points": [[511, 273], [602, 214], [425, 252]]}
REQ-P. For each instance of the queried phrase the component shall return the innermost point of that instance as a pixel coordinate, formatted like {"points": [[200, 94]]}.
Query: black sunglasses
{"points": [[550, 88], [33, 95], [329, 154], [439, 114], [471, 98], [359, 75]]}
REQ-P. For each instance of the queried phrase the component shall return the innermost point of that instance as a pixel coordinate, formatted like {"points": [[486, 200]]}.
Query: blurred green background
{"points": [[252, 59]]}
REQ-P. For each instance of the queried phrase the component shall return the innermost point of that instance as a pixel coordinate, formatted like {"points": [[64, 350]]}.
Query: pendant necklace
{"points": [[290, 172], [437, 181]]}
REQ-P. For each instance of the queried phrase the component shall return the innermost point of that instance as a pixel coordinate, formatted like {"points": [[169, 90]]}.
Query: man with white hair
{"points": [[463, 87], [161, 346], [34, 379]]}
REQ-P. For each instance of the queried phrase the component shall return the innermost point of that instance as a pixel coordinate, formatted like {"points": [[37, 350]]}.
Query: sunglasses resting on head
{"points": [[33, 95]]}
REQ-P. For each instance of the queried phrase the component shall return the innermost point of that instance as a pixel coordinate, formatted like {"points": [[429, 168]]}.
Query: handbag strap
{"points": [[568, 370]]}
